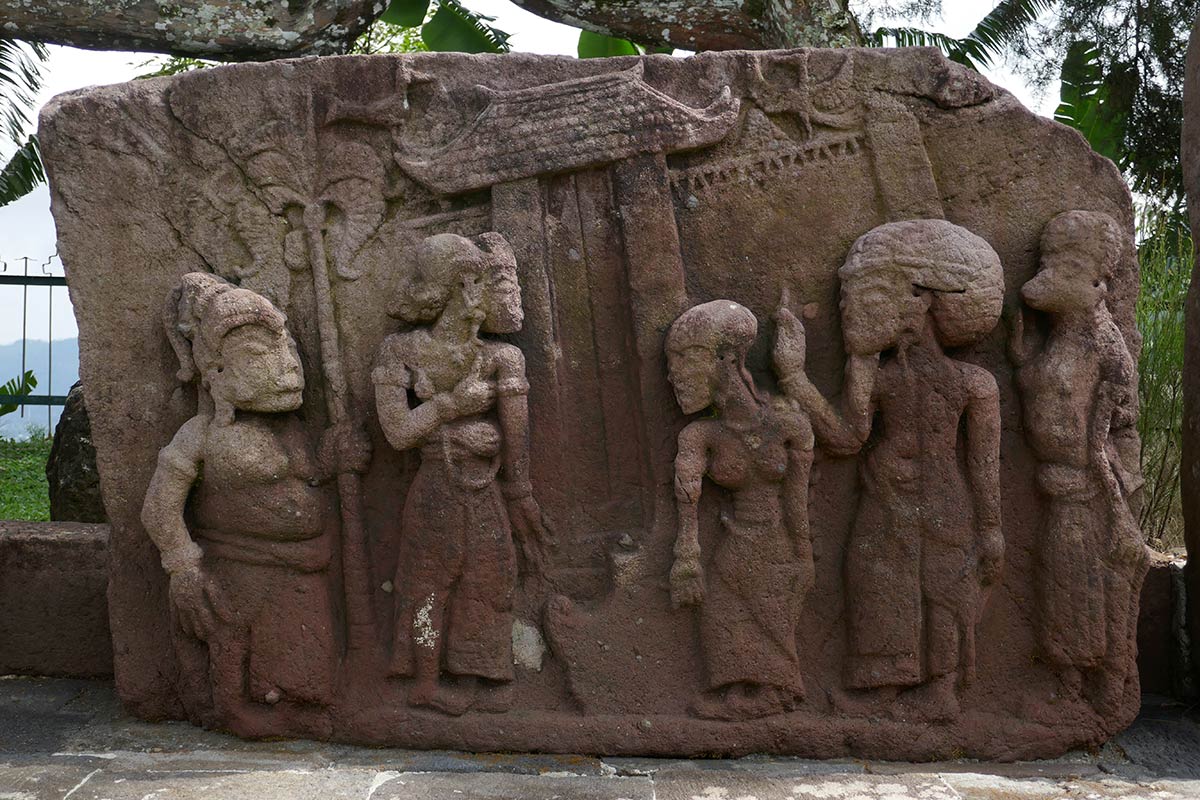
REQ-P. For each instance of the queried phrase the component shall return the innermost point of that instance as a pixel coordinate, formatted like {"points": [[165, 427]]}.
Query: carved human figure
{"points": [[458, 566], [1079, 395], [758, 449], [926, 537], [249, 585]]}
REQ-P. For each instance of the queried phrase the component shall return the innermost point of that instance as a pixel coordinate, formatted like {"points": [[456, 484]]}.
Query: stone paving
{"points": [[68, 739]]}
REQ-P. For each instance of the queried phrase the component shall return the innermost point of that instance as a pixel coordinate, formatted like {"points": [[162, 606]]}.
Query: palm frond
{"points": [[1006, 23], [453, 28], [20, 82], [22, 173]]}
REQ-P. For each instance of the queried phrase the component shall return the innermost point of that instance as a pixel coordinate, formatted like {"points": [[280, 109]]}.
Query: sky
{"points": [[27, 229]]}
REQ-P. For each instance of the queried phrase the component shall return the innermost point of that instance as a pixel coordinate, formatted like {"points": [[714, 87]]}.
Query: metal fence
{"points": [[35, 275]]}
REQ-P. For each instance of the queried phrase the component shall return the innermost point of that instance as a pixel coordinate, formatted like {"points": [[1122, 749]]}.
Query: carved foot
{"points": [[441, 698], [867, 703], [494, 698], [935, 701], [743, 701]]}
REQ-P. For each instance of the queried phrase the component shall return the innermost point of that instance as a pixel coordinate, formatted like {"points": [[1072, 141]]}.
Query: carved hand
{"points": [[991, 555], [1127, 549], [349, 447], [532, 530], [196, 602], [472, 395], [1018, 351], [791, 344], [687, 582]]}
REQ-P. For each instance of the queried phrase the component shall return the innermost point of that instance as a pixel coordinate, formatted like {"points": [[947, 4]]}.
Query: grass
{"points": [[24, 493], [1166, 257]]}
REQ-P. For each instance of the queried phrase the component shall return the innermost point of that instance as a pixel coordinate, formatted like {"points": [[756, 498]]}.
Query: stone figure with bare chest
{"points": [[1079, 395], [758, 449], [249, 579], [926, 537], [471, 503]]}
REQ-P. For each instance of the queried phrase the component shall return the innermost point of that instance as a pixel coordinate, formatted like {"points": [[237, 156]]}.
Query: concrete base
{"points": [[53, 613], [63, 738]]}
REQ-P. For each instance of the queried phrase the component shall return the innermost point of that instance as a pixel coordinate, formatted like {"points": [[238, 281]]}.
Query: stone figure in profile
{"points": [[249, 586], [926, 538], [758, 450], [1080, 401], [471, 503]]}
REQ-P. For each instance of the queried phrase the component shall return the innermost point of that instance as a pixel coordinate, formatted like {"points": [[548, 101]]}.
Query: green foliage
{"points": [[24, 492], [453, 28], [597, 45], [20, 81], [384, 37], [1142, 47], [174, 65], [1005, 25], [17, 387], [405, 13], [1090, 105], [1166, 257], [22, 173]]}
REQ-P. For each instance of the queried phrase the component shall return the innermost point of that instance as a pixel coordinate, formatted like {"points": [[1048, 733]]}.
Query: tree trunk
{"points": [[714, 25], [227, 30]]}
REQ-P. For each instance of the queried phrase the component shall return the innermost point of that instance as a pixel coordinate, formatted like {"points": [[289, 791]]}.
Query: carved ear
{"points": [[179, 342]]}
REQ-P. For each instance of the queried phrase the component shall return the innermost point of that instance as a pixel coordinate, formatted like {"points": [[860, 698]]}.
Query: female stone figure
{"points": [[759, 450], [249, 589], [1079, 394], [457, 569], [927, 535]]}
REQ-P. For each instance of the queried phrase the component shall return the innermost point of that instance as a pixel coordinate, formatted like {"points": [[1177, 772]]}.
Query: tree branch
{"points": [[717, 25], [228, 30]]}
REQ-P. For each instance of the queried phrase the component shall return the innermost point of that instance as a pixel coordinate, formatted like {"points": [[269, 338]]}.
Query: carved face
{"points": [[1072, 278], [259, 371], [502, 299], [693, 373]]}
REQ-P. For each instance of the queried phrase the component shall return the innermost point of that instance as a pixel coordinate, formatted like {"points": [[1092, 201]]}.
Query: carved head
{"points": [[706, 347], [502, 291], [900, 275], [236, 343], [446, 264], [1080, 251]]}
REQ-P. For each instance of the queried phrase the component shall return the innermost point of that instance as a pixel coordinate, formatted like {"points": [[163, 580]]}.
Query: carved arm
{"points": [[406, 427], [687, 576], [983, 470], [844, 432], [795, 508], [162, 511]]}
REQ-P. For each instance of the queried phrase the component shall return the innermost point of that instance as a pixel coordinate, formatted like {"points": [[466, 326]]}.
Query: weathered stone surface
{"points": [[60, 738], [53, 618], [218, 29], [1189, 466], [707, 397], [71, 468]]}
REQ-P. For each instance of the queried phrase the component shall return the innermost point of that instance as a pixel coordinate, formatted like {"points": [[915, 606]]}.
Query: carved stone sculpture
{"points": [[1079, 394], [256, 555], [457, 570], [927, 535], [605, 299], [751, 595]]}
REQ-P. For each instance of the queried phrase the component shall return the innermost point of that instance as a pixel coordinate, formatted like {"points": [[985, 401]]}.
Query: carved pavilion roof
{"points": [[567, 126]]}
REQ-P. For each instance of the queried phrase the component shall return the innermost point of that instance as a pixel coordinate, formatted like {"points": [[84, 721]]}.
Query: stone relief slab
{"points": [[754, 402]]}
